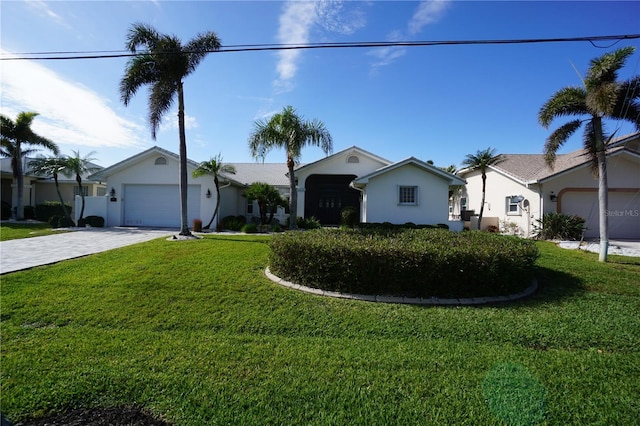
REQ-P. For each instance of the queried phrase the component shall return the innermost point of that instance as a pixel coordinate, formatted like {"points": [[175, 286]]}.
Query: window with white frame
{"points": [[249, 206], [513, 206], [85, 191], [463, 203], [408, 195]]}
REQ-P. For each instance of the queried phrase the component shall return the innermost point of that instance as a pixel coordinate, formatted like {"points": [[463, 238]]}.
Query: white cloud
{"points": [[296, 22], [428, 12], [43, 9], [70, 114]]}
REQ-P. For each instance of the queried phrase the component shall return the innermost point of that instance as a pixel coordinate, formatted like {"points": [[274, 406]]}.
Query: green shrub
{"points": [[6, 211], [349, 217], [43, 212], [58, 221], [249, 228], [95, 221], [29, 212], [412, 263], [309, 223], [559, 226], [233, 223]]}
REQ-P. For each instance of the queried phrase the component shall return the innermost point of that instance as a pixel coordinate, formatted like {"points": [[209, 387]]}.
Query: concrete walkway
{"points": [[16, 255]]}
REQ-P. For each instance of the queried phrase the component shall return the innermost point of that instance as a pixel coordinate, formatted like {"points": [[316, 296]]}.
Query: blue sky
{"points": [[435, 103]]}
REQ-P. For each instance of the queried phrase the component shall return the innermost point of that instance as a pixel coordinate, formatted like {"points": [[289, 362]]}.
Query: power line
{"points": [[41, 56]]}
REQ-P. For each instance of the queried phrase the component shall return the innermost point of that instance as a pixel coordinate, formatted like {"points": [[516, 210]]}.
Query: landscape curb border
{"points": [[432, 301]]}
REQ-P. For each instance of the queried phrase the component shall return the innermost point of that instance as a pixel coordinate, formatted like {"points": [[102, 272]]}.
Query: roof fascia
{"points": [[351, 148], [453, 179]]}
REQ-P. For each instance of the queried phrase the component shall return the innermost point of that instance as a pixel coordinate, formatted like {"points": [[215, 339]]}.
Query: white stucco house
{"points": [[522, 188], [143, 190]]}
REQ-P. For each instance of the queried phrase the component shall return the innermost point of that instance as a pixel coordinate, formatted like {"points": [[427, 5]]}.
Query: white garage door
{"points": [[158, 205], [623, 212]]}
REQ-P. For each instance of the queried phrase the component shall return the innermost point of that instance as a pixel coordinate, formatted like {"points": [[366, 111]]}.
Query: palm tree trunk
{"points": [[603, 203], [216, 182], [293, 196], [81, 192], [184, 225], [67, 214], [20, 187], [484, 187]]}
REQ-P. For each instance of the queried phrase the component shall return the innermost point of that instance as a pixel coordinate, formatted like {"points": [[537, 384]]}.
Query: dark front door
{"points": [[327, 195]]}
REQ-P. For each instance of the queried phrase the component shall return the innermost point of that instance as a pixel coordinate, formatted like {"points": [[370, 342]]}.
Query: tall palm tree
{"points": [[482, 160], [15, 140], [78, 166], [214, 167], [162, 63], [289, 131], [601, 97], [52, 166]]}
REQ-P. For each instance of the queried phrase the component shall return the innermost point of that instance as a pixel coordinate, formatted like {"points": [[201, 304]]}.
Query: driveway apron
{"points": [[16, 255]]}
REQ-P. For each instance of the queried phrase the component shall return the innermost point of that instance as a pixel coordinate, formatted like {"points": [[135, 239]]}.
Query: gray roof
{"points": [[529, 168], [272, 173]]}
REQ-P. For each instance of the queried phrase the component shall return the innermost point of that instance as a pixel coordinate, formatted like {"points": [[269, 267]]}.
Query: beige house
{"points": [[523, 188], [40, 189]]}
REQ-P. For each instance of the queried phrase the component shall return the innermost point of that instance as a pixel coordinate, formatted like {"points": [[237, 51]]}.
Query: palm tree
{"points": [[289, 131], [15, 136], [482, 160], [601, 97], [78, 166], [162, 64], [52, 166], [214, 167]]}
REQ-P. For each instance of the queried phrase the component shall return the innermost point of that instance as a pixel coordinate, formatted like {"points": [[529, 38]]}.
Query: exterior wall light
{"points": [[208, 193]]}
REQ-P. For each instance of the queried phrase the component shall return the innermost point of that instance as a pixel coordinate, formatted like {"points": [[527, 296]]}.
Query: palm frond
{"points": [[161, 97], [604, 69], [140, 70], [569, 101], [199, 46], [557, 138], [141, 34]]}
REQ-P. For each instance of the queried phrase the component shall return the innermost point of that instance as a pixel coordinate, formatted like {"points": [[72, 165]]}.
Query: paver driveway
{"points": [[26, 253]]}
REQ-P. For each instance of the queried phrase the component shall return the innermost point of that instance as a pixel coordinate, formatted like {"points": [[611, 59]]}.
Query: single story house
{"points": [[522, 188], [40, 189], [143, 190]]}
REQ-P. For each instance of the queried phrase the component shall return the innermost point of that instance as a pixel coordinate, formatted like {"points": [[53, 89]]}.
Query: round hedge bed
{"points": [[408, 263]]}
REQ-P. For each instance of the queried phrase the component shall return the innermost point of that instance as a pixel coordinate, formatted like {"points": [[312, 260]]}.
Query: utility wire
{"points": [[41, 56]]}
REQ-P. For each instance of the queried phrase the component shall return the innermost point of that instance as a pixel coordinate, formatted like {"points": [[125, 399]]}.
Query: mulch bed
{"points": [[130, 416]]}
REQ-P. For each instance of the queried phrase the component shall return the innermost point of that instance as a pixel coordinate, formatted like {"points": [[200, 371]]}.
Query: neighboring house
{"points": [[143, 190], [40, 189], [523, 188]]}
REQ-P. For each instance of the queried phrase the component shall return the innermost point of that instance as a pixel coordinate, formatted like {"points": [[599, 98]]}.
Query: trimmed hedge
{"points": [[44, 212], [413, 263]]}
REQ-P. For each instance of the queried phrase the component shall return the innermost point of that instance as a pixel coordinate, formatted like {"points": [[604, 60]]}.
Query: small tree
{"points": [[76, 165], [15, 138], [214, 167], [289, 131], [268, 199], [52, 166], [482, 160], [601, 97]]}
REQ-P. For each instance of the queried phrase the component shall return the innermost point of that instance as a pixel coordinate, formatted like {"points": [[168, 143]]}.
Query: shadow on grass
{"points": [[553, 286]]}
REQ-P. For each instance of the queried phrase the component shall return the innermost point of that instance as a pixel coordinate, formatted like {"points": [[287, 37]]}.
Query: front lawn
{"points": [[194, 332], [15, 230]]}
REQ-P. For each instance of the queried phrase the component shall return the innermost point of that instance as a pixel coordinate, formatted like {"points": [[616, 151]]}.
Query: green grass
{"points": [[15, 230], [194, 332]]}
